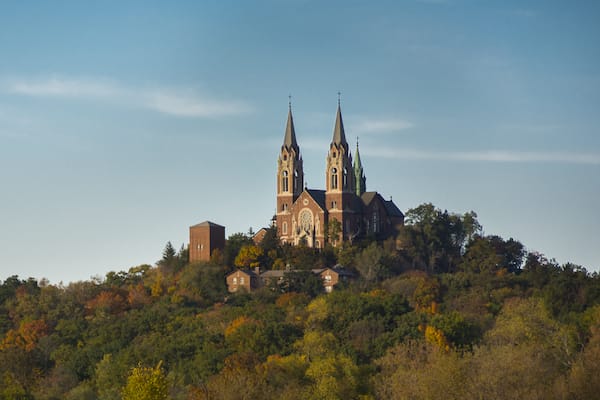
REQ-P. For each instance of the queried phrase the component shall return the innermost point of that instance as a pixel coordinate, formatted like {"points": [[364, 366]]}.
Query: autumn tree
{"points": [[146, 383], [250, 256]]}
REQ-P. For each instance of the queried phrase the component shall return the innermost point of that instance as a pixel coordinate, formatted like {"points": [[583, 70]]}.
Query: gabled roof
{"points": [[318, 196], [367, 197], [289, 140], [243, 271], [207, 223], [392, 209], [339, 136]]}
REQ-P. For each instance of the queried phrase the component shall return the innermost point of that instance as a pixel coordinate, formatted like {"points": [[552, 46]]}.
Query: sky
{"points": [[122, 123]]}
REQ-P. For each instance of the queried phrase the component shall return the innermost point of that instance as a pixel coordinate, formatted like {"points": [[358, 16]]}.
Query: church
{"points": [[344, 211]]}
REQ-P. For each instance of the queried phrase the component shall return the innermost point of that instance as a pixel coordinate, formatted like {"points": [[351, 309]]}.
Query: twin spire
{"points": [[339, 139], [339, 136]]}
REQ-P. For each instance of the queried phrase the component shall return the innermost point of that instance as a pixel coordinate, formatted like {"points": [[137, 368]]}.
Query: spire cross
{"points": [[339, 97], [290, 101]]}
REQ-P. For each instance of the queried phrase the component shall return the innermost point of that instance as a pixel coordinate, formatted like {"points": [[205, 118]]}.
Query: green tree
{"points": [[145, 383]]}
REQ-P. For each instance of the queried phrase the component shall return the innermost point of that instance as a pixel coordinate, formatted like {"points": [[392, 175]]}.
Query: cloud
{"points": [[169, 101], [190, 106], [381, 125], [486, 156], [63, 88]]}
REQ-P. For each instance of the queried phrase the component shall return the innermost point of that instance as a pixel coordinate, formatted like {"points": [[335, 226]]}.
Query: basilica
{"points": [[344, 211]]}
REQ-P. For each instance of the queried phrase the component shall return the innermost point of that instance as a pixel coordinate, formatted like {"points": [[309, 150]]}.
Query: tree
{"points": [[433, 239], [333, 231], [250, 256], [145, 383], [233, 245], [370, 263]]}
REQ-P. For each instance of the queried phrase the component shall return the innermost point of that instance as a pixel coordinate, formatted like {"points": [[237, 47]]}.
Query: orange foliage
{"points": [[26, 337], [237, 324], [109, 302], [138, 296]]}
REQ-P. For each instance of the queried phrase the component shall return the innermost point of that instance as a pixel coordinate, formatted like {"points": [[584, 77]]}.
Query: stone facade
{"points": [[307, 215]]}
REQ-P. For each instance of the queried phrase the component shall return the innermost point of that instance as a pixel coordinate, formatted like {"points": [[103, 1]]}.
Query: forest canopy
{"points": [[440, 311]]}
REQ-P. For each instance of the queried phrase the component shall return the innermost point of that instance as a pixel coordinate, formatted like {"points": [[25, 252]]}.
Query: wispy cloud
{"points": [[486, 156], [191, 106], [369, 125], [63, 88], [176, 102]]}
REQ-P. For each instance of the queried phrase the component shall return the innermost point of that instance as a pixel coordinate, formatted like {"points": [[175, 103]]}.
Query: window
{"points": [[334, 178], [284, 228], [285, 157], [234, 280], [241, 280], [376, 221], [334, 204], [284, 182], [296, 181], [345, 178], [327, 278]]}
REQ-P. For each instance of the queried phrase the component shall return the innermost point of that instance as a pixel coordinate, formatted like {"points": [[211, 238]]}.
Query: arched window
{"points": [[334, 178], [284, 228], [284, 182], [296, 181], [345, 178]]}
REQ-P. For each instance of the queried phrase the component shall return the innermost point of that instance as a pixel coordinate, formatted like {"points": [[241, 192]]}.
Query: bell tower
{"points": [[340, 182], [290, 179]]}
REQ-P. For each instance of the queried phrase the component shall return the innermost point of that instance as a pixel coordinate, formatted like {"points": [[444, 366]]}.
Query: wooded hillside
{"points": [[442, 312]]}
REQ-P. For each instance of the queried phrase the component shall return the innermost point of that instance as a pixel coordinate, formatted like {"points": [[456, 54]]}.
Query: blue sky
{"points": [[123, 123]]}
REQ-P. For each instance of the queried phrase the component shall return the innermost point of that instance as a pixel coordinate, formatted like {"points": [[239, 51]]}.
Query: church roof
{"points": [[318, 196], [289, 140], [339, 136], [207, 223], [367, 197], [392, 209]]}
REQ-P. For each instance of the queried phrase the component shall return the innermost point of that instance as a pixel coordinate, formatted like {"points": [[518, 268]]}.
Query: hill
{"points": [[443, 311]]}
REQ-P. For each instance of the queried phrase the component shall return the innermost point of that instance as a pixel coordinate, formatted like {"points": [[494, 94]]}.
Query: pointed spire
{"points": [[339, 136], [359, 174], [289, 139]]}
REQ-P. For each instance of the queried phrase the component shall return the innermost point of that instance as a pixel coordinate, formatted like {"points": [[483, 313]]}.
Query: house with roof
{"points": [[249, 280], [308, 215]]}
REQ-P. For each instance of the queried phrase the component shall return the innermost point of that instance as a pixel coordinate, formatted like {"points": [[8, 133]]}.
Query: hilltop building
{"points": [[307, 215], [205, 238]]}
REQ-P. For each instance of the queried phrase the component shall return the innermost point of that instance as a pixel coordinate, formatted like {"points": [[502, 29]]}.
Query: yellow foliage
{"points": [[437, 337], [249, 256], [146, 383]]}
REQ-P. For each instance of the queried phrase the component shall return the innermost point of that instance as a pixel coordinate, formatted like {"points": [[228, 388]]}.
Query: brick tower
{"points": [[205, 238]]}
